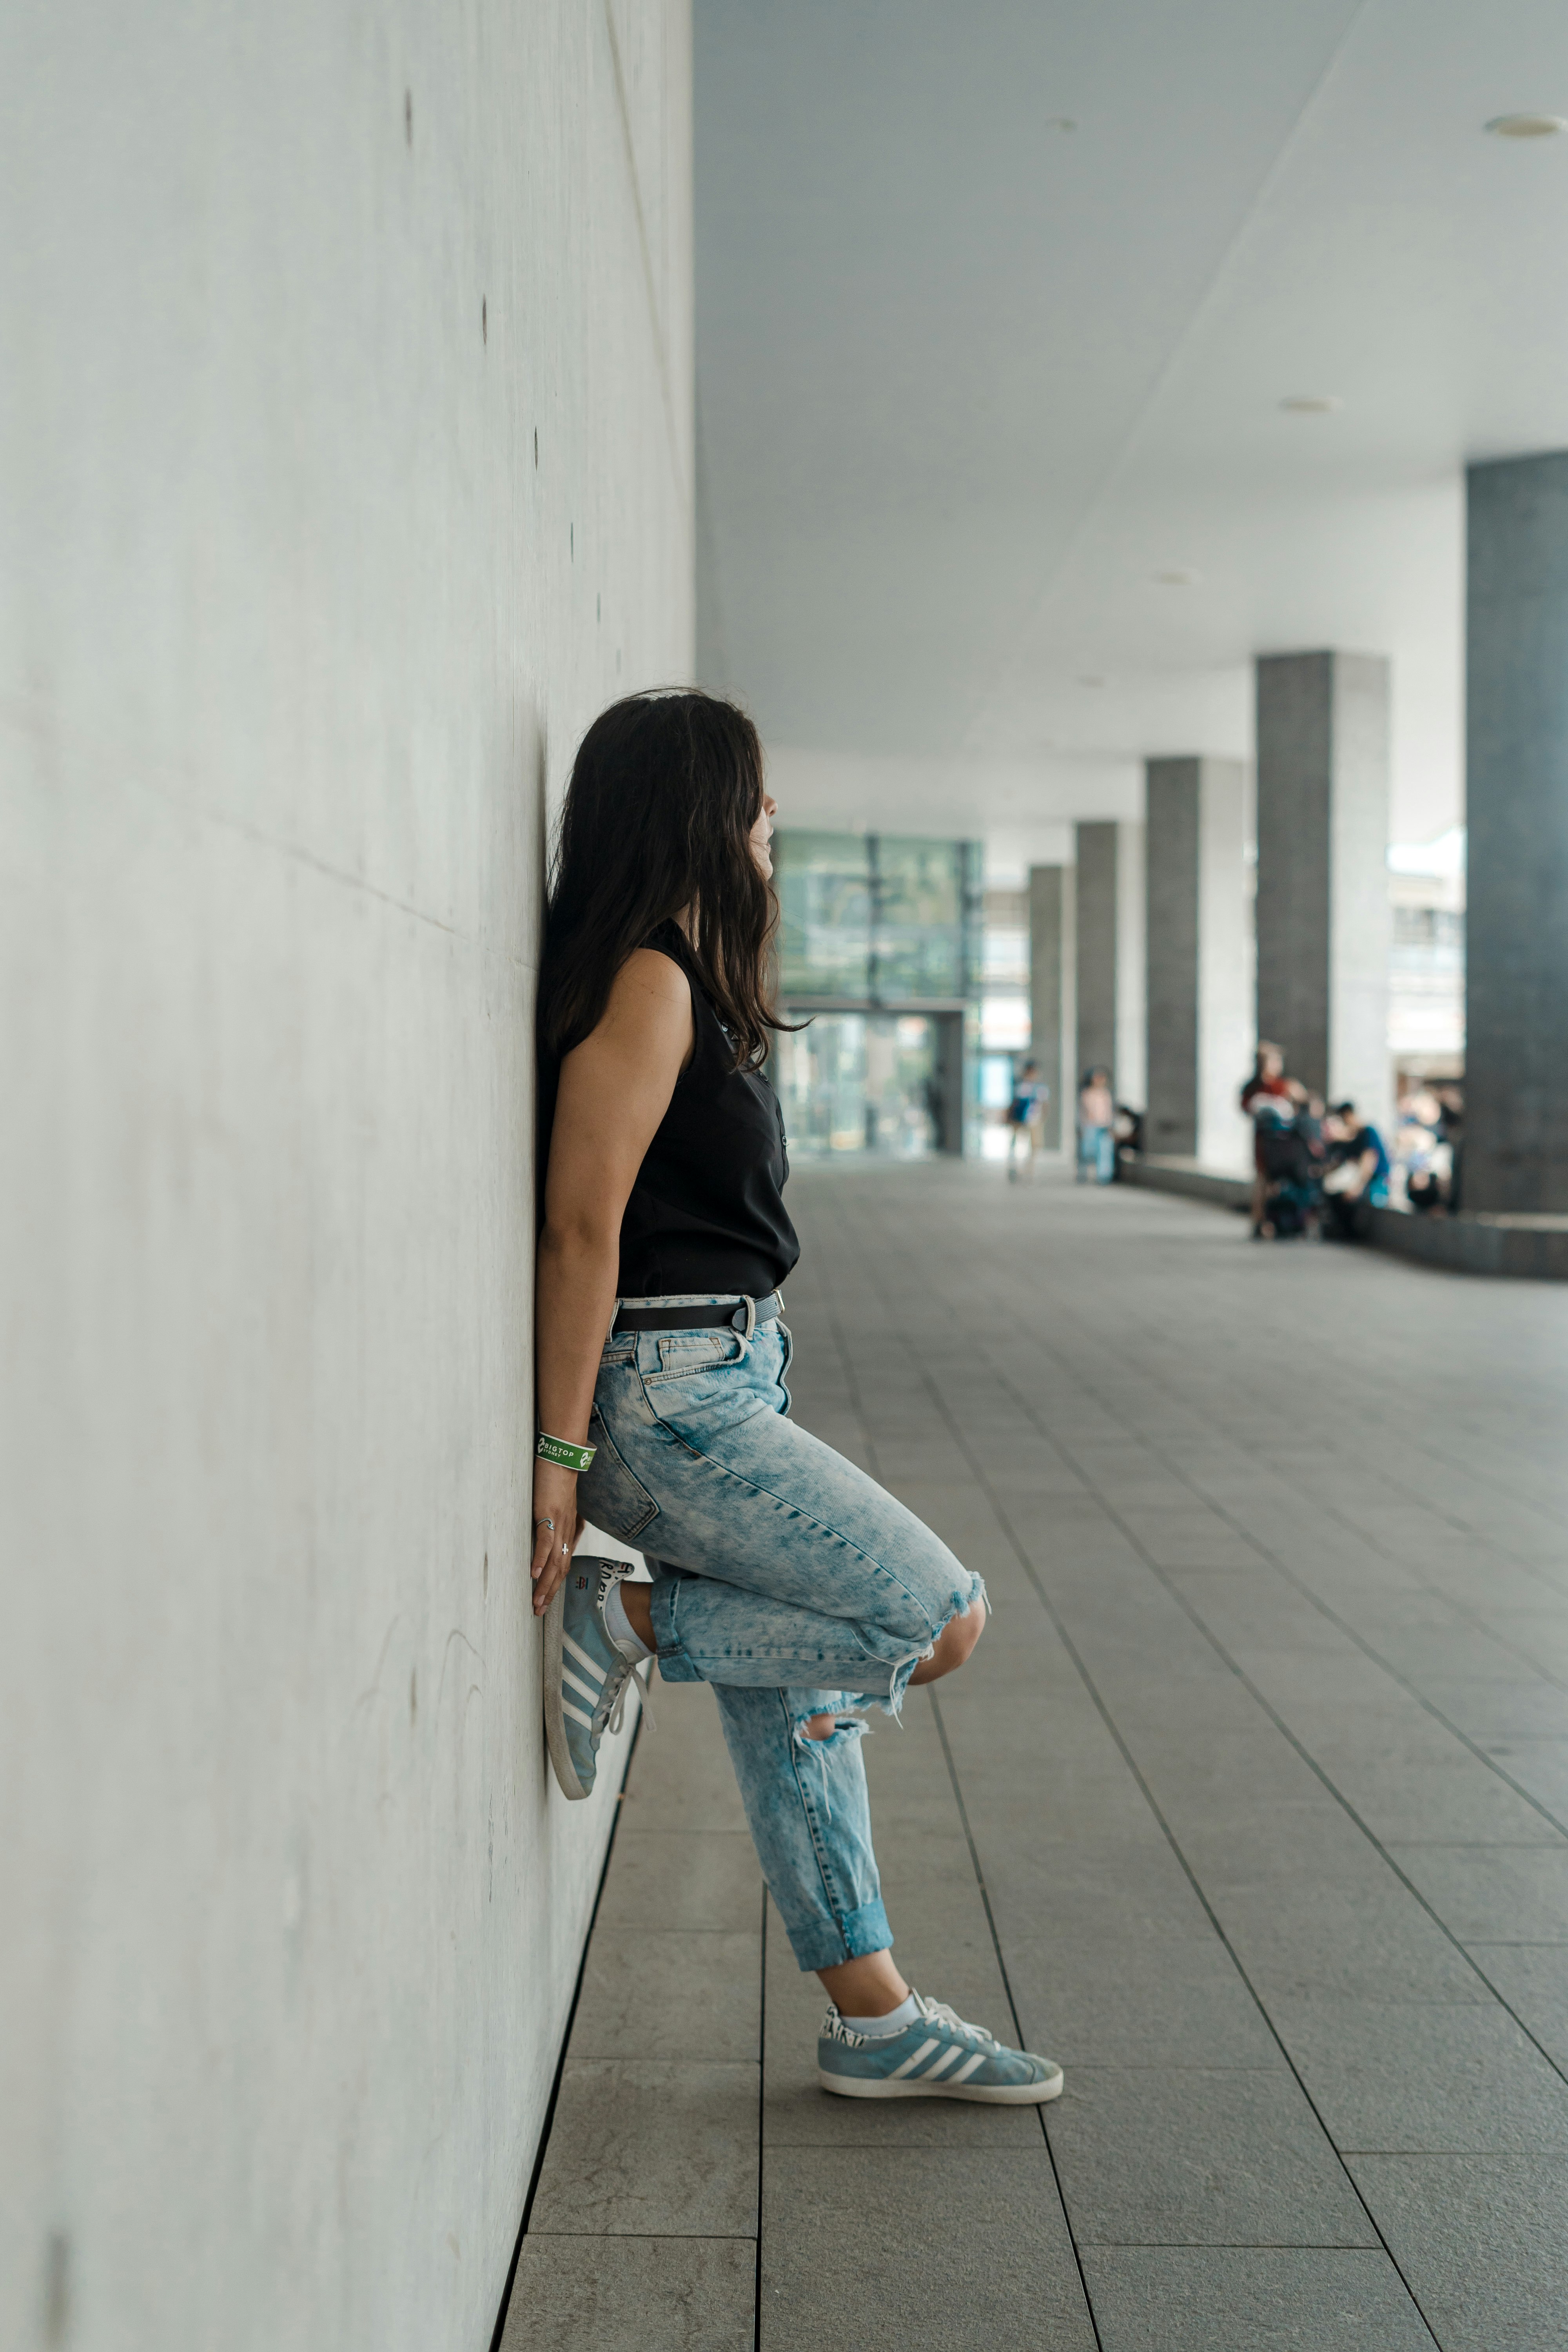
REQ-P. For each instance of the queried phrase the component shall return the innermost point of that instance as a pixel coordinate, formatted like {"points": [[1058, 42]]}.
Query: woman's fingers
{"points": [[550, 1575], [557, 1524]]}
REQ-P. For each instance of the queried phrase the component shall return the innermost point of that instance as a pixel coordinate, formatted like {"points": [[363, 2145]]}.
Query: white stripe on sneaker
{"points": [[574, 1682], [577, 1715], [940, 2065], [581, 1657], [968, 2067], [911, 2063]]}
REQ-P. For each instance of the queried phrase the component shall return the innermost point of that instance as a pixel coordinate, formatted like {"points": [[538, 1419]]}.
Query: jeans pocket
{"points": [[607, 1492], [688, 1356]]}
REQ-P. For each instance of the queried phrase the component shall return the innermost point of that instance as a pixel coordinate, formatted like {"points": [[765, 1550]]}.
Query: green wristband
{"points": [[569, 1456]]}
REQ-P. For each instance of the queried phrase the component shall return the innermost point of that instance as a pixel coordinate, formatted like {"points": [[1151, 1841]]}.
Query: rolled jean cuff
{"points": [[818, 1943]]}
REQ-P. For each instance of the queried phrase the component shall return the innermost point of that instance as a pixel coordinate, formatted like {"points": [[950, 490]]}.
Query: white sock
{"points": [[894, 2022], [618, 1626]]}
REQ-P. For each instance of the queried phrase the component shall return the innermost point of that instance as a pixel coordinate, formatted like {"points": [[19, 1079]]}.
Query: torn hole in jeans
{"points": [[847, 1728]]}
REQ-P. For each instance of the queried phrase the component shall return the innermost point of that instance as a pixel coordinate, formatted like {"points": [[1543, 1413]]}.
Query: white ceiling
{"points": [[967, 381]]}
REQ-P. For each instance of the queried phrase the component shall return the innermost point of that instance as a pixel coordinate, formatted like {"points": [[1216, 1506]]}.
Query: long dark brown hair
{"points": [[665, 791]]}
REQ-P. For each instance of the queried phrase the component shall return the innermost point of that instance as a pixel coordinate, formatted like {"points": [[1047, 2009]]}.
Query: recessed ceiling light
{"points": [[1312, 404], [1527, 126], [1178, 579]]}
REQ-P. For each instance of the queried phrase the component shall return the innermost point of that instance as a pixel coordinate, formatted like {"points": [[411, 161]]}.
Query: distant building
{"points": [[880, 956], [1426, 957]]}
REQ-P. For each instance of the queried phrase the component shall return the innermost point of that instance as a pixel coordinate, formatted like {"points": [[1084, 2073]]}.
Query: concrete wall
{"points": [[346, 469]]}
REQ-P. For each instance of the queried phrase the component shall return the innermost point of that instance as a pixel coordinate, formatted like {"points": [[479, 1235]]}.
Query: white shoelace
{"points": [[625, 1670], [627, 1676], [939, 2012]]}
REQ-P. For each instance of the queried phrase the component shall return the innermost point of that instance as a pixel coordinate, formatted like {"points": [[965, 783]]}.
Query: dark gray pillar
{"points": [[1322, 871], [1198, 1015], [1515, 967], [1095, 898], [1047, 941]]}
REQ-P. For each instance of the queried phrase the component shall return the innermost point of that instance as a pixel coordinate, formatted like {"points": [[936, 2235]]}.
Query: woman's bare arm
{"points": [[615, 1089]]}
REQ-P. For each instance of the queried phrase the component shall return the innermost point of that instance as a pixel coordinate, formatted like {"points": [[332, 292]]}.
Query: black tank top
{"points": [[706, 1212]]}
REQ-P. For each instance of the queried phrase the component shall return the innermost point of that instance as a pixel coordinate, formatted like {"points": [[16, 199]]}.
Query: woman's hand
{"points": [[555, 1501]]}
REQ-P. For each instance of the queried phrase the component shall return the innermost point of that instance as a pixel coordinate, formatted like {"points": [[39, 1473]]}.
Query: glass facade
{"points": [[862, 1081], [871, 923], [878, 918]]}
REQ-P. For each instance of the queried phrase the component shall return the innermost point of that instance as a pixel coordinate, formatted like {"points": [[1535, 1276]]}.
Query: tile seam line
{"points": [[1218, 1646], [1225, 2246], [548, 2124], [851, 1381], [1089, 1685], [1371, 1405], [1006, 1523], [1149, 1799], [1325, 1609], [1331, 1616], [762, 2116], [1331, 1510], [1073, 2239], [644, 2237]]}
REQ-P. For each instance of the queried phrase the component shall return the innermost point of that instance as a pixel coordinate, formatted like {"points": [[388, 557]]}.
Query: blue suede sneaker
{"points": [[937, 2057], [585, 1677]]}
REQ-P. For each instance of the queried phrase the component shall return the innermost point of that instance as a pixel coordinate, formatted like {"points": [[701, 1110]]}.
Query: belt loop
{"points": [[750, 1306]]}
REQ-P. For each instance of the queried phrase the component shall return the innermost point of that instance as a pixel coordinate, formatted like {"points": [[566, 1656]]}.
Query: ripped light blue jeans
{"points": [[787, 1578]]}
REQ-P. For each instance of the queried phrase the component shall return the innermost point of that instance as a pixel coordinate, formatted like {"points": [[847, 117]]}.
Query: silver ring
{"points": [[544, 1523]]}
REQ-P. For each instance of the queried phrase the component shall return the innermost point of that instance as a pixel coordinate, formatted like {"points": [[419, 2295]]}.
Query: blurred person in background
{"points": [[1266, 1099], [1452, 1132], [1024, 1113], [1357, 1177], [1126, 1132], [1292, 1171], [1423, 1162], [1311, 1113], [1096, 1119]]}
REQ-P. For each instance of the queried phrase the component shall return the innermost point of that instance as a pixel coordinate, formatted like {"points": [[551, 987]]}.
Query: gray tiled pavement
{"points": [[1252, 1809]]}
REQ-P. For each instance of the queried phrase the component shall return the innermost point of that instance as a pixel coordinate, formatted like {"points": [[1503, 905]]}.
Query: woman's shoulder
{"points": [[653, 972]]}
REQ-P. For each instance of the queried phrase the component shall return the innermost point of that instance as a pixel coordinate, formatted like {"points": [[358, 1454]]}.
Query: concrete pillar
{"points": [[1096, 949], [1131, 1062], [1323, 876], [1199, 1019], [1049, 886], [1108, 956], [1516, 1052]]}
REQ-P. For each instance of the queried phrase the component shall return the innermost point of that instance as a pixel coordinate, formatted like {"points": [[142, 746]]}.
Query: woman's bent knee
{"points": [[954, 1643]]}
